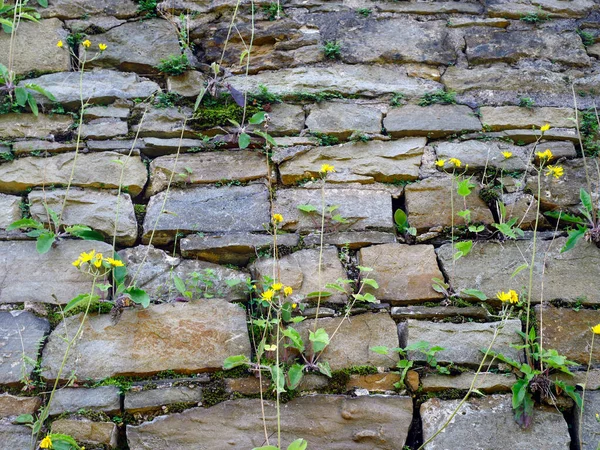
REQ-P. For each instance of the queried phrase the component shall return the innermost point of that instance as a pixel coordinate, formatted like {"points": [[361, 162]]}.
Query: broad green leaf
{"points": [[295, 373], [298, 444], [336, 287], [476, 228], [382, 350], [267, 137], [21, 96], [571, 392], [7, 25], [564, 216], [257, 118], [475, 293], [318, 294], [266, 447], [319, 339], [32, 104], [138, 296], [324, 368], [235, 361], [371, 282], [243, 140], [25, 223], [278, 378], [286, 312], [465, 214], [364, 269], [572, 237], [199, 99], [63, 442], [464, 187], [179, 284], [586, 200], [44, 242], [42, 3], [463, 249], [119, 273], [295, 338], [400, 218], [81, 299], [307, 208], [85, 233], [24, 418], [519, 269], [243, 55], [34, 87]]}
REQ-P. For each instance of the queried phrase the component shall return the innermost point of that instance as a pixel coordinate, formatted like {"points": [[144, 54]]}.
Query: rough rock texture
{"points": [[96, 209], [71, 9], [376, 382], [184, 337], [494, 417], [507, 117], [206, 209], [93, 170], [154, 271], [87, 431], [515, 9], [14, 125], [152, 399], [438, 312], [21, 333], [432, 121], [9, 209], [187, 84], [480, 154], [463, 342], [348, 421], [382, 161], [11, 405], [342, 119], [487, 382], [351, 346], [351, 239], [105, 128], [103, 398], [403, 272], [165, 123], [590, 436], [14, 436], [47, 278], [490, 265], [300, 270]]}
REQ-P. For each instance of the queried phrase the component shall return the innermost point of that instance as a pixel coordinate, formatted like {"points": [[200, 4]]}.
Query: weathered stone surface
{"points": [[523, 207], [21, 334], [128, 44], [423, 71], [374, 382], [233, 248], [494, 417], [286, 119], [438, 312], [363, 80], [96, 209], [300, 270], [515, 9], [184, 337], [45, 56], [152, 399], [156, 275], [97, 87], [165, 123], [428, 204], [406, 41], [342, 119], [187, 84], [363, 162], [437, 7], [248, 385], [403, 272], [460, 22], [101, 112], [207, 209], [159, 147], [86, 431], [490, 265], [15, 125], [508, 117], [463, 342], [238, 423], [103, 398], [502, 46], [431, 121], [14, 436], [117, 145], [568, 332], [22, 147], [590, 436], [9, 209], [93, 170], [104, 129], [350, 239], [11, 405], [204, 168], [74, 9], [364, 209], [481, 154], [487, 382]]}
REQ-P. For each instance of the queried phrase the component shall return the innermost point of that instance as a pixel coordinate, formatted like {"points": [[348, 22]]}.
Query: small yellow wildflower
{"points": [[87, 257], [277, 218], [455, 162], [294, 305], [114, 262], [507, 154], [77, 262], [510, 296], [514, 297], [86, 43], [327, 168], [545, 127], [268, 295], [545, 155], [277, 286], [59, 44], [555, 171], [596, 329], [288, 291], [46, 442], [440, 162], [98, 260], [102, 47]]}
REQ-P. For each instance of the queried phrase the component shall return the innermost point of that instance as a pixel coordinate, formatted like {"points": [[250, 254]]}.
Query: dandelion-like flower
{"points": [[277, 286], [596, 329], [59, 44], [507, 154], [545, 128], [102, 47], [114, 262], [294, 305], [327, 168], [455, 162], [87, 43], [98, 260], [277, 218], [555, 171], [510, 296], [546, 155], [440, 162], [288, 291], [46, 442], [268, 295]]}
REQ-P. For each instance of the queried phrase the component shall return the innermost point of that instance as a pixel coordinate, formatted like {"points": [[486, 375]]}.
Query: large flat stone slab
{"points": [[430, 121], [207, 209], [14, 436], [490, 265], [11, 405], [87, 431], [515, 9], [184, 337], [403, 272], [325, 421], [590, 435], [463, 342], [47, 278], [487, 382], [481, 154], [96, 209], [383, 161], [103, 398], [494, 418], [75, 9], [204, 168], [511, 117], [93, 170], [368, 209], [21, 334], [342, 119], [153, 399], [9, 209], [21, 125]]}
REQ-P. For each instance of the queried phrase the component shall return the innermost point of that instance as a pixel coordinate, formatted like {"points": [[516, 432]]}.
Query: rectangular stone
{"points": [[104, 398], [10, 209], [343, 119], [21, 125], [487, 382], [432, 121], [153, 399], [511, 117], [30, 146]]}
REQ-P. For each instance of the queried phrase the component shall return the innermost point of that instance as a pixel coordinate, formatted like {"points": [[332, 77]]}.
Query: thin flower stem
{"points": [[531, 265], [587, 373], [319, 280]]}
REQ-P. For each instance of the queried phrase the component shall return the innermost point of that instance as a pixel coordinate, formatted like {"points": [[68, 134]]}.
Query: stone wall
{"points": [[179, 197]]}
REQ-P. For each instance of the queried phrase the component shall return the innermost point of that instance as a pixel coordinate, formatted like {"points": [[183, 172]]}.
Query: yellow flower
{"points": [[510, 296], [514, 297], [46, 442], [596, 329], [294, 305], [59, 44], [555, 171], [86, 43], [288, 291], [455, 162], [277, 286], [545, 155], [114, 262], [268, 295], [277, 218], [98, 260], [545, 127], [87, 257], [77, 262], [327, 168], [507, 154], [440, 162], [102, 47]]}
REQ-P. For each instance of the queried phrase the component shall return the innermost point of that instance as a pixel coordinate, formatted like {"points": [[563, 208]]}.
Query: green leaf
{"points": [[464, 187], [42, 3], [307, 208], [586, 200], [24, 418], [286, 312], [266, 447], [371, 282], [400, 218], [298, 444], [199, 99], [7, 25], [319, 339], [571, 392], [235, 361], [564, 216], [243, 140], [179, 284], [318, 294], [44, 242], [475, 293], [32, 104], [296, 339], [267, 137], [572, 237], [119, 273], [257, 118], [519, 269], [25, 223], [476, 228], [41, 90], [295, 373], [21, 96], [464, 248], [63, 442], [381, 349], [324, 368], [85, 233], [336, 287], [138, 296], [364, 269], [81, 299], [278, 378]]}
